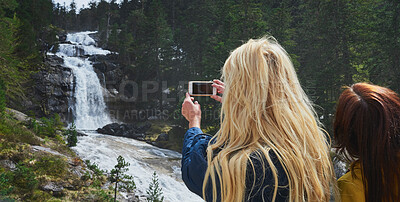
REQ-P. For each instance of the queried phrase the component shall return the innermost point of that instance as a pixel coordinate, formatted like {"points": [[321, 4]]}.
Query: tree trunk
{"points": [[116, 187]]}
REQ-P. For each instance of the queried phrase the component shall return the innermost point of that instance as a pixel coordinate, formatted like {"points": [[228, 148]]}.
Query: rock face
{"points": [[52, 89], [125, 130]]}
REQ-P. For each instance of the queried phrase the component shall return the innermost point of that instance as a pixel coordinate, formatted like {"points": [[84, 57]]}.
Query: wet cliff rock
{"points": [[52, 89]]}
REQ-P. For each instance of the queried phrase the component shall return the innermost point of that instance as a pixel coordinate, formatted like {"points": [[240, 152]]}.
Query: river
{"points": [[90, 112], [144, 159]]}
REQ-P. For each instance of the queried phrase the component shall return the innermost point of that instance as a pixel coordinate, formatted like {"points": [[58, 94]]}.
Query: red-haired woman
{"points": [[367, 132]]}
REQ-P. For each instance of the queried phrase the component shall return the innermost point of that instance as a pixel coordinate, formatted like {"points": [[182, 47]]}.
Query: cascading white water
{"points": [[90, 113], [144, 159], [89, 108]]}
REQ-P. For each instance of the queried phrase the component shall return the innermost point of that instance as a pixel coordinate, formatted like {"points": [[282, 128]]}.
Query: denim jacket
{"points": [[194, 166]]}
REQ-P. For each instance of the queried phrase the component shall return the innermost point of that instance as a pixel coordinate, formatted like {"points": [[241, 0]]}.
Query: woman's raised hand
{"points": [[191, 111], [220, 86]]}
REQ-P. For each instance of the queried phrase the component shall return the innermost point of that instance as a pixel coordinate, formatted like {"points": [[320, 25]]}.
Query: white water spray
{"points": [[90, 113], [89, 108]]}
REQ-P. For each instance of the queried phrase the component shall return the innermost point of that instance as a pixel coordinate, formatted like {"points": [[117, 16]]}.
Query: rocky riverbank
{"points": [[37, 167], [155, 133]]}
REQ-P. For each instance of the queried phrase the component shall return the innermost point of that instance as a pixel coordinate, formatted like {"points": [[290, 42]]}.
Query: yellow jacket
{"points": [[352, 189]]}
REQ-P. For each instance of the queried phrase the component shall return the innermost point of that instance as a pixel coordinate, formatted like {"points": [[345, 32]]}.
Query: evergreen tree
{"points": [[14, 70], [71, 134], [118, 176], [154, 192]]}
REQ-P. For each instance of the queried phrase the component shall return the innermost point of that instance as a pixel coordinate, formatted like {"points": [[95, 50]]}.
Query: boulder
{"points": [[8, 164], [54, 188], [135, 131], [18, 115], [80, 134], [162, 137]]}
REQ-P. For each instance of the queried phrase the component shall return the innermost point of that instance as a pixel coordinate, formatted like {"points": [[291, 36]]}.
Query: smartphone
{"points": [[201, 88]]}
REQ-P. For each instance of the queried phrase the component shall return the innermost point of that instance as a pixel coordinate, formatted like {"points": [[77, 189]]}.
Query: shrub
{"points": [[13, 132], [2, 97], [24, 179], [39, 195], [71, 134], [5, 185], [101, 195], [57, 123], [51, 165], [59, 139], [46, 126], [94, 167], [154, 191]]}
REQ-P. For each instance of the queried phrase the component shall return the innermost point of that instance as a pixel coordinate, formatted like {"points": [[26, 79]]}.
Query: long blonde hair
{"points": [[264, 110]]}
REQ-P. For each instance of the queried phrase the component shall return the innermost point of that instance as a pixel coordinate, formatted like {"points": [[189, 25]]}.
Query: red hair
{"points": [[367, 129]]}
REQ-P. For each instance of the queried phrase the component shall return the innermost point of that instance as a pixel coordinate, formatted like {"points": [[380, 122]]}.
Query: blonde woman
{"points": [[270, 146]]}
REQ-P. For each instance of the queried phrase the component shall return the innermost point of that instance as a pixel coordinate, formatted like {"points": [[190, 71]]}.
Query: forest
{"points": [[332, 43]]}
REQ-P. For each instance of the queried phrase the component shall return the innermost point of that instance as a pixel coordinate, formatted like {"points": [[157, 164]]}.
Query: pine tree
{"points": [[154, 191], [71, 134], [118, 176]]}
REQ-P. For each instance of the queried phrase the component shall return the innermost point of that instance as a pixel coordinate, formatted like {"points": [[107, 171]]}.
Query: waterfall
{"points": [[89, 108], [90, 112]]}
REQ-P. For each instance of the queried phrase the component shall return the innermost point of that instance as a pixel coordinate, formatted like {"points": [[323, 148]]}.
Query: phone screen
{"points": [[202, 88]]}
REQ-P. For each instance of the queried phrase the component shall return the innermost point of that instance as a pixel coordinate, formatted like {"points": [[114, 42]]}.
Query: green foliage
{"points": [[57, 123], [97, 177], [34, 17], [46, 127], [6, 6], [24, 179], [13, 70], [51, 166], [154, 191], [5, 183], [24, 33], [94, 167], [13, 132], [39, 195], [331, 43], [2, 97], [71, 134], [102, 195], [118, 176]]}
